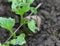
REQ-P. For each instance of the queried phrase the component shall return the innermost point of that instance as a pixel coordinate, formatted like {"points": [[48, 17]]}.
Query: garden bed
{"points": [[49, 34]]}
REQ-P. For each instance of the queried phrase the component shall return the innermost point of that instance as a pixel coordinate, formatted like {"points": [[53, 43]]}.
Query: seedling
{"points": [[20, 7]]}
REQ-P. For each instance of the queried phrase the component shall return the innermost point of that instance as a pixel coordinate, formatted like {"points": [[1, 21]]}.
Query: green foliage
{"points": [[19, 41], [22, 6], [1, 44], [19, 7], [32, 26], [7, 23]]}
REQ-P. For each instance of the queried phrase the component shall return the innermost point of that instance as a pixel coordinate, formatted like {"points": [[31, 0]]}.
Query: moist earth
{"points": [[49, 34]]}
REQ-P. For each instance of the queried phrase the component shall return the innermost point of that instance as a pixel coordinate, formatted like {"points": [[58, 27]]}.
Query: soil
{"points": [[49, 34]]}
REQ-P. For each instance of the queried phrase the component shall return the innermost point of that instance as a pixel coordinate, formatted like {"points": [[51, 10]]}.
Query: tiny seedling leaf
{"points": [[32, 26], [7, 23], [19, 41]]}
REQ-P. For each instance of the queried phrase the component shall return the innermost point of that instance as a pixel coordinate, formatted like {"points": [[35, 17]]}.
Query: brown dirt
{"points": [[49, 34]]}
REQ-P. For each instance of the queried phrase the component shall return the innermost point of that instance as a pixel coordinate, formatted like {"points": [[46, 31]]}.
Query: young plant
{"points": [[8, 24], [22, 6]]}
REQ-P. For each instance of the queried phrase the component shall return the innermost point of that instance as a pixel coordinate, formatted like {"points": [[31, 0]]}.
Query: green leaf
{"points": [[7, 23], [7, 43], [19, 41], [32, 26], [23, 8], [33, 10], [14, 5], [24, 1], [2, 44]]}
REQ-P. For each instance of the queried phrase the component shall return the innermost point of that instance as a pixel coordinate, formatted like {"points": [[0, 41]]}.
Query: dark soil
{"points": [[49, 35]]}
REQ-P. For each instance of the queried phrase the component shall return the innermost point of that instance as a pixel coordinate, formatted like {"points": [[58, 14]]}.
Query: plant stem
{"points": [[21, 20], [14, 35]]}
